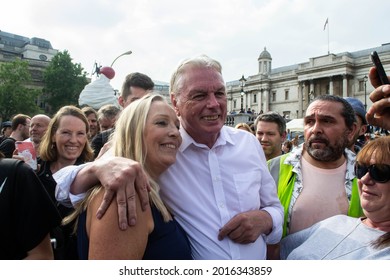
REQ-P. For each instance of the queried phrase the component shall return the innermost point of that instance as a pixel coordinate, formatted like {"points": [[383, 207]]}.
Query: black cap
{"points": [[6, 124]]}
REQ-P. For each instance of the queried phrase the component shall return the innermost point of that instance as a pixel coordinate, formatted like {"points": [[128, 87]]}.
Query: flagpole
{"points": [[328, 36], [325, 26]]}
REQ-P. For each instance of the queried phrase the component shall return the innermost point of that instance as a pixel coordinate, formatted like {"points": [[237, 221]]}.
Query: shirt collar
{"points": [[223, 138]]}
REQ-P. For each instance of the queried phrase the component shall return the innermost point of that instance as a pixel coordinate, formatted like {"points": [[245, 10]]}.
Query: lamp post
{"points": [[242, 83], [126, 53], [365, 92]]}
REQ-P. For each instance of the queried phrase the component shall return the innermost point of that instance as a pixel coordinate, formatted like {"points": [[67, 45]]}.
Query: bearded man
{"points": [[316, 180]]}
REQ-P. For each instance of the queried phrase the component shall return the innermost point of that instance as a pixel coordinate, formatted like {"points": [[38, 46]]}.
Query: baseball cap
{"points": [[358, 107], [6, 124]]}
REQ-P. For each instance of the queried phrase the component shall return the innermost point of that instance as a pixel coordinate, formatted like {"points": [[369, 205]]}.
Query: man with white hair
{"points": [[38, 127]]}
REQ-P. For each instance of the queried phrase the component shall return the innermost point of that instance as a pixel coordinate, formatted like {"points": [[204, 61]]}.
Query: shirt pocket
{"points": [[248, 189]]}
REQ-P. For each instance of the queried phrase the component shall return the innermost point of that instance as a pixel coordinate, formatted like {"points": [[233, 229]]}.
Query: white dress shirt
{"points": [[206, 188]]}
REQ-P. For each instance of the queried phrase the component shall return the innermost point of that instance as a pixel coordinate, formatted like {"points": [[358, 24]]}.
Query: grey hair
{"points": [[175, 86]]}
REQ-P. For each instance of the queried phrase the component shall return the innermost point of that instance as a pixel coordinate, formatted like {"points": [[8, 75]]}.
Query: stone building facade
{"points": [[288, 90], [36, 51]]}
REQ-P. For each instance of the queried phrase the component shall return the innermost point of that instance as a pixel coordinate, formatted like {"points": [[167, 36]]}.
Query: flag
{"points": [[326, 22]]}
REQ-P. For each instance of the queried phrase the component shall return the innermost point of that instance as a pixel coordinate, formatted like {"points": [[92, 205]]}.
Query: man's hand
{"points": [[15, 155], [246, 227], [379, 112], [122, 177]]}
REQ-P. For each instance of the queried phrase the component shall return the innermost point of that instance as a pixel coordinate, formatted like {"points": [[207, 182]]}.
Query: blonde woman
{"points": [[148, 132]]}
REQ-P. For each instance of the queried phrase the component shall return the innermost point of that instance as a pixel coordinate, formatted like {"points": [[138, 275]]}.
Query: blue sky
{"points": [[162, 33]]}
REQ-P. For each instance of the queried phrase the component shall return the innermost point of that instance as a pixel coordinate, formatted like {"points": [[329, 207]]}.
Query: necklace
{"points": [[345, 237]]}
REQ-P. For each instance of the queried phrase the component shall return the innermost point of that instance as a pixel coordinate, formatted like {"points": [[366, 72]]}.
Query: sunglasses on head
{"points": [[378, 172]]}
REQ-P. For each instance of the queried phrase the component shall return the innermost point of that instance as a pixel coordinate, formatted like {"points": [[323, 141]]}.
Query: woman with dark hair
{"points": [[287, 146]]}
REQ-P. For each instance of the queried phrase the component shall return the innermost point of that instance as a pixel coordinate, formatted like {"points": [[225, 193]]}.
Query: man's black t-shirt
{"points": [[27, 213], [7, 147]]}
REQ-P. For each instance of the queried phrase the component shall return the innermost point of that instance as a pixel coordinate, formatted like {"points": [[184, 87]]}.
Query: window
{"points": [[255, 98], [235, 104], [274, 96], [286, 92]]}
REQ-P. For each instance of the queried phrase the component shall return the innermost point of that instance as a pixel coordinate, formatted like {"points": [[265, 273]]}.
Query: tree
{"points": [[63, 81], [15, 95]]}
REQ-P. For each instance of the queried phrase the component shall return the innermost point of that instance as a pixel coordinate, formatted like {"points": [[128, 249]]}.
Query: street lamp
{"points": [[365, 92], [242, 83], [126, 53]]}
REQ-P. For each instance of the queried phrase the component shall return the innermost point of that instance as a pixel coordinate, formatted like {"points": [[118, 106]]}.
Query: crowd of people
{"points": [[160, 181]]}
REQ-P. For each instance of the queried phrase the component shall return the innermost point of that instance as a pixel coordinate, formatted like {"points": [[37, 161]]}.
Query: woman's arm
{"points": [[42, 251], [108, 241]]}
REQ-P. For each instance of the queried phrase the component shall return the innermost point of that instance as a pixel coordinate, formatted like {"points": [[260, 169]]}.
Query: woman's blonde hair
{"points": [[128, 142], [244, 126], [47, 149]]}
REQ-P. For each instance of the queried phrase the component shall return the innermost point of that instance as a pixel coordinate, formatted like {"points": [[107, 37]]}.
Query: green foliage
{"points": [[15, 95], [63, 81]]}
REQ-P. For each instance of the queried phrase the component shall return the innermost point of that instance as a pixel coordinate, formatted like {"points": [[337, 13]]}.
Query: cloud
{"points": [[162, 33]]}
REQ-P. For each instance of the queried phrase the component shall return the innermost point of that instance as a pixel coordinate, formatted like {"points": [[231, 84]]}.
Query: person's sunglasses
{"points": [[378, 172]]}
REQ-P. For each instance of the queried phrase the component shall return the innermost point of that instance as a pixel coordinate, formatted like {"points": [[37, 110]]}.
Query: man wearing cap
{"points": [[6, 130], [355, 145]]}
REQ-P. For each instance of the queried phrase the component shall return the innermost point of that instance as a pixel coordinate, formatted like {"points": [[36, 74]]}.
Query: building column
{"points": [[259, 101], [267, 100], [330, 86], [345, 86], [249, 103], [229, 96], [310, 94], [311, 88], [300, 99]]}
